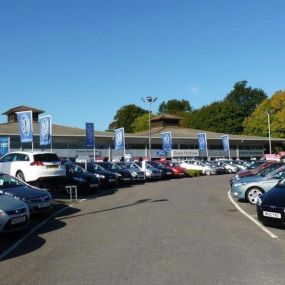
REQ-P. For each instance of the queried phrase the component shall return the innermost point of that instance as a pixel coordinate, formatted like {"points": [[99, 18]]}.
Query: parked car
{"points": [[219, 169], [124, 176], [38, 200], [177, 170], [230, 168], [151, 172], [138, 175], [77, 175], [250, 188], [33, 167], [261, 170], [14, 214], [166, 172], [270, 206], [107, 178], [198, 165]]}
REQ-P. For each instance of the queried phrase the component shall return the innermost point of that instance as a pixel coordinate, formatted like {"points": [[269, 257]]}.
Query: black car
{"points": [[124, 176], [271, 206], [137, 174], [84, 180], [107, 178], [166, 172], [38, 200]]}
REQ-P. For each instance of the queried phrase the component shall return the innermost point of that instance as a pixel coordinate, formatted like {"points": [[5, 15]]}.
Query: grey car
{"points": [[135, 170], [14, 214], [250, 188], [38, 200]]}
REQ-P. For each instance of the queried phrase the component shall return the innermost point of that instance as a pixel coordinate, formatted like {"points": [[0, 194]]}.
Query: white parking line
{"points": [[20, 241], [272, 235]]}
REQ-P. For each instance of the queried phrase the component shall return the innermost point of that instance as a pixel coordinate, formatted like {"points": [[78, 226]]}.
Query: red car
{"points": [[177, 170]]}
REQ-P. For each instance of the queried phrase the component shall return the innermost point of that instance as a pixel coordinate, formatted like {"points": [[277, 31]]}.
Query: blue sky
{"points": [[80, 61]]}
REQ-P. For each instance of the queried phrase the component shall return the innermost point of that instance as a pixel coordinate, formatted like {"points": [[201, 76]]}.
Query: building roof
{"points": [[21, 109], [165, 117], [187, 133], [177, 133]]}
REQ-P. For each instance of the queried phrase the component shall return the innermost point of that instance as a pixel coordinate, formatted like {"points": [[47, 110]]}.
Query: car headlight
{"points": [[134, 174], [148, 172], [100, 176], [239, 184], [118, 174], [2, 213], [258, 201], [79, 179]]}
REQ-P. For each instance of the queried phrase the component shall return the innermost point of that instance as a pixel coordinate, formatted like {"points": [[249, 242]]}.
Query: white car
{"points": [[33, 166], [198, 165]]}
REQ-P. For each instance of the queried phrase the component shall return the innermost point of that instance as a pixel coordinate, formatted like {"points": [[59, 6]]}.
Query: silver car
{"points": [[250, 188], [14, 214]]}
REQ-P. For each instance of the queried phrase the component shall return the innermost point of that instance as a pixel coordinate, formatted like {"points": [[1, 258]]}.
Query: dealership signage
{"points": [[4, 145], [184, 152]]}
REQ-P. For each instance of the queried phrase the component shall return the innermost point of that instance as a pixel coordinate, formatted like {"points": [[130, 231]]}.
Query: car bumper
{"points": [[238, 192], [277, 215], [9, 225]]}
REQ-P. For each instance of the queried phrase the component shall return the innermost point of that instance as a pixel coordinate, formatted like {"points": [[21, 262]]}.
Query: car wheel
{"points": [[252, 194], [20, 175], [208, 172]]}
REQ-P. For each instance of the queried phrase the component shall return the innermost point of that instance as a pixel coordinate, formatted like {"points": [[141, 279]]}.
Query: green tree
{"points": [[141, 123], [174, 106], [125, 117], [257, 123], [227, 116]]}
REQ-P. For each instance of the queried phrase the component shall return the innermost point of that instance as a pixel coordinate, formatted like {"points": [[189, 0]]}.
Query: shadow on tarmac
{"points": [[142, 201]]}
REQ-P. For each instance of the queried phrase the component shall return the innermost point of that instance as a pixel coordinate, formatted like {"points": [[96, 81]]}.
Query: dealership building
{"points": [[69, 142]]}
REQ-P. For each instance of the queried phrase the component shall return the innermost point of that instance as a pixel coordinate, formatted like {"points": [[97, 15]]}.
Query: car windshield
{"points": [[98, 167], [7, 181], [115, 166], [123, 165], [132, 166]]}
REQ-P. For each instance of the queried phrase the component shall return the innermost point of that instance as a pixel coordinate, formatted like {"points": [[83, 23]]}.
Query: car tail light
{"points": [[37, 163]]}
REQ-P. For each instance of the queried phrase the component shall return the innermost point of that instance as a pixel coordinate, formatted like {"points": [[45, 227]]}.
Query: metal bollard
{"points": [[72, 190]]}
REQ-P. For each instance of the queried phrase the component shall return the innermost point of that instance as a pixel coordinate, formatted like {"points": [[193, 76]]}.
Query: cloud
{"points": [[194, 89]]}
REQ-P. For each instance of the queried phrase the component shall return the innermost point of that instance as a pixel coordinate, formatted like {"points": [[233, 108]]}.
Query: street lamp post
{"points": [[150, 100], [269, 131]]}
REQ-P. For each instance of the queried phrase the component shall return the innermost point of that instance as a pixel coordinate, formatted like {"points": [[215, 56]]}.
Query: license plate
{"points": [[18, 220], [93, 185], [181, 174], [43, 205], [169, 173], [272, 215], [112, 180], [127, 179], [51, 166]]}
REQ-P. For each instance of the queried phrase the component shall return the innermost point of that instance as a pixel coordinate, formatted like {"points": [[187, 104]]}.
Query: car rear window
{"points": [[46, 157]]}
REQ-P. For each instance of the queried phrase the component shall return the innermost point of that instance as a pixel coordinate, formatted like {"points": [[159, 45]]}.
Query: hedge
{"points": [[193, 173]]}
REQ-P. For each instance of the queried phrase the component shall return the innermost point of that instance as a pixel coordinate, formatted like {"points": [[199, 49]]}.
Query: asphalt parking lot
{"points": [[182, 231]]}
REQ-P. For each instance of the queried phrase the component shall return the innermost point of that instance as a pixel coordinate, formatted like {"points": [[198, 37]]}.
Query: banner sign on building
{"points": [[202, 141], [166, 141], [226, 144], [25, 123], [120, 138], [4, 145], [90, 141], [45, 128]]}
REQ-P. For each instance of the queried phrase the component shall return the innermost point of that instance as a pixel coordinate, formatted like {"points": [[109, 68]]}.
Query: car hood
{"points": [[250, 179], [87, 176], [25, 191], [8, 203], [276, 197]]}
